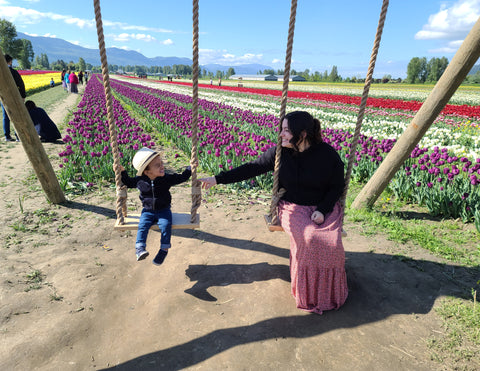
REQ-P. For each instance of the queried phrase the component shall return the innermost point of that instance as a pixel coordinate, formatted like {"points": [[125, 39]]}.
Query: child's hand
{"points": [[208, 182]]}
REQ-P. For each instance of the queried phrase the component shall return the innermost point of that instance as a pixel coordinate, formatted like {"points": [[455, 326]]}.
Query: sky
{"points": [[327, 33]]}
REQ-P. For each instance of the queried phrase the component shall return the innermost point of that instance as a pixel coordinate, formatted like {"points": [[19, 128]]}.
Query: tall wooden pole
{"points": [[18, 113], [451, 79]]}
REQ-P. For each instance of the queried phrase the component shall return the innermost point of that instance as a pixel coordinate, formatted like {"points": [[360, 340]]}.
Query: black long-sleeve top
{"points": [[18, 81], [155, 194], [45, 127], [314, 177]]}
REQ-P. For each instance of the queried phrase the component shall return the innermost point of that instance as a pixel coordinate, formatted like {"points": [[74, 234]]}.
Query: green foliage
{"points": [[41, 62], [461, 322], [26, 55], [8, 39]]}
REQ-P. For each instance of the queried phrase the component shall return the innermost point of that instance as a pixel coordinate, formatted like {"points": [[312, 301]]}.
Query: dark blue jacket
{"points": [[155, 194]]}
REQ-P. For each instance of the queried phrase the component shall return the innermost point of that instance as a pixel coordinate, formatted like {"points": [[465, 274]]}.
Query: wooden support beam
{"points": [[443, 90], [18, 113]]}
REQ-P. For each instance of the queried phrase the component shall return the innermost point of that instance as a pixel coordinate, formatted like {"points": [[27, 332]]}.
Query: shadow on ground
{"points": [[380, 286]]}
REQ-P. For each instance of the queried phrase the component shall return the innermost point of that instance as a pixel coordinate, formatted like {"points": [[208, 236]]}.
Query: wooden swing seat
{"points": [[179, 221], [278, 228]]}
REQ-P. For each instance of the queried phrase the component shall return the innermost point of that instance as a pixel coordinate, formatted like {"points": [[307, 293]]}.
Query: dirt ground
{"points": [[73, 297]]}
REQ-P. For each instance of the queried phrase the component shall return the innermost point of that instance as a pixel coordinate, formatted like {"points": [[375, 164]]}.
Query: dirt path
{"points": [[73, 297]]}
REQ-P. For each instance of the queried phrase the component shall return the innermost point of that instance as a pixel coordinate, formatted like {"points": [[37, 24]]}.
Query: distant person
{"points": [[211, 82], [87, 75], [21, 88], [45, 127], [64, 83], [67, 80], [80, 77], [73, 82], [220, 81], [52, 83]]}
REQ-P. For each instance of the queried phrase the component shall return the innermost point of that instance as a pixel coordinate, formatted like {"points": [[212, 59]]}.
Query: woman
{"points": [[312, 174], [45, 127], [73, 82]]}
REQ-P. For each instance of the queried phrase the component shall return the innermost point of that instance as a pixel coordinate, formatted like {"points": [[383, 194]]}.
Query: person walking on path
{"points": [[67, 80], [64, 83], [21, 88], [312, 175], [73, 82]]}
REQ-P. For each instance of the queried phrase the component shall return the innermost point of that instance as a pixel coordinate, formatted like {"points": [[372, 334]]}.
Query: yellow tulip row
{"points": [[36, 81]]}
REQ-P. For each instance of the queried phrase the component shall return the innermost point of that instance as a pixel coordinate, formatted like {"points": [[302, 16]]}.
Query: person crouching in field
{"points": [[45, 127]]}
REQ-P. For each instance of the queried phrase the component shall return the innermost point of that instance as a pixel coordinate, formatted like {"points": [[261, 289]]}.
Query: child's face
{"points": [[155, 168]]}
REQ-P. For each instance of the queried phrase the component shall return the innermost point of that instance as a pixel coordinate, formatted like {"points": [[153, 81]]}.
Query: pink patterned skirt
{"points": [[317, 258]]}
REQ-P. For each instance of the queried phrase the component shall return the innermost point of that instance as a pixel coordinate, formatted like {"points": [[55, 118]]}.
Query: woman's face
{"points": [[286, 135]]}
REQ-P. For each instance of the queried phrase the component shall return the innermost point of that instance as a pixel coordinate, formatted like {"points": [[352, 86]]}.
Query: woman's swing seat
{"points": [[179, 221], [278, 228]]}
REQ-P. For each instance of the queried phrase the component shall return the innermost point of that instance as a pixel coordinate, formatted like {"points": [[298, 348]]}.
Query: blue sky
{"points": [[327, 33]]}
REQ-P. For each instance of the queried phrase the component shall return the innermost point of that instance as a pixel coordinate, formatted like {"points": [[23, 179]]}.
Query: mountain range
{"points": [[58, 49]]}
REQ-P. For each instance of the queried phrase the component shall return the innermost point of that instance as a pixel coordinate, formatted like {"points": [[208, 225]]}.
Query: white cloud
{"points": [[19, 15], [451, 23], [167, 42], [451, 47], [124, 37], [207, 56], [275, 61], [128, 27]]}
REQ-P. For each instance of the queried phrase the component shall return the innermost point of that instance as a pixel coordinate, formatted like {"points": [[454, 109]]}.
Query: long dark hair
{"points": [[302, 121], [30, 104]]}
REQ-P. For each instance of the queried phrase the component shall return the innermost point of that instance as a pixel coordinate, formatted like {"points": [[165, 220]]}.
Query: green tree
{"points": [[417, 70], [58, 65], [26, 55], [230, 72], [81, 65], [71, 66], [334, 76], [8, 39]]}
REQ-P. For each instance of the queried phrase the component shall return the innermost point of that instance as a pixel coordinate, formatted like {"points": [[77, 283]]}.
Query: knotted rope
{"points": [[363, 103], [196, 189], [276, 193], [121, 188]]}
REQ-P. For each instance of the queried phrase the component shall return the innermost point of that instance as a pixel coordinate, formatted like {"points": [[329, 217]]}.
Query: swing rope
{"points": [[276, 193], [121, 209], [120, 187], [196, 188], [363, 102]]}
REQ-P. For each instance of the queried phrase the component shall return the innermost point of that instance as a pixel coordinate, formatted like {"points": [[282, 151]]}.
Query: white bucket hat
{"points": [[142, 158]]}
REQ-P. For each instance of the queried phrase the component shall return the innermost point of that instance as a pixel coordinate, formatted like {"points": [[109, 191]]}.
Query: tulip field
{"points": [[37, 80], [237, 124]]}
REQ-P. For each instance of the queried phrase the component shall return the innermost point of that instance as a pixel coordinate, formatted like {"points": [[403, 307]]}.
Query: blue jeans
{"points": [[6, 123], [163, 218]]}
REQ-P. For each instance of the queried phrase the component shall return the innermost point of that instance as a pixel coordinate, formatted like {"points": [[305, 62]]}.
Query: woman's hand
{"points": [[121, 168], [208, 182], [318, 217]]}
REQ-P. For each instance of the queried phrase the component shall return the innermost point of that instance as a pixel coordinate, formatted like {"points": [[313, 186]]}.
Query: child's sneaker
{"points": [[162, 254], [141, 254]]}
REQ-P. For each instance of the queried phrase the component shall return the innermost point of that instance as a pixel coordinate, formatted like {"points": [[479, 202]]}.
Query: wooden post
{"points": [[18, 113], [443, 90]]}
